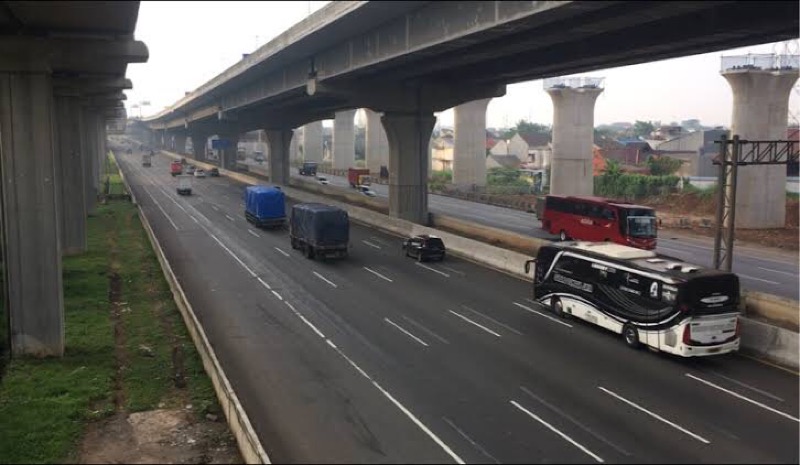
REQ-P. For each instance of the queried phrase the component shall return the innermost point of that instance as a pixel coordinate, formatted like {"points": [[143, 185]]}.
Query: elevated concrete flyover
{"points": [[411, 59], [62, 73]]}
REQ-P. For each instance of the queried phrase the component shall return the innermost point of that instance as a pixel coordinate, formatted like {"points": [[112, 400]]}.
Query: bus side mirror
{"points": [[528, 265]]}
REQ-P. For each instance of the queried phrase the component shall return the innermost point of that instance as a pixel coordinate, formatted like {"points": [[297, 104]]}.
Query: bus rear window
{"points": [[709, 295]]}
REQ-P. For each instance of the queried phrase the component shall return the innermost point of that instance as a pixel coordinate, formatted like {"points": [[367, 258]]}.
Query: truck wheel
{"points": [[419, 257], [562, 236], [309, 252]]}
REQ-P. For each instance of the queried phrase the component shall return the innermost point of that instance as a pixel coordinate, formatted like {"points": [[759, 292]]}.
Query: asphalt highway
{"points": [[380, 359], [760, 269]]}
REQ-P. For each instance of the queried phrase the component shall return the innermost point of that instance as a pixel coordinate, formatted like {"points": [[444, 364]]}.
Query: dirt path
{"points": [[155, 436]]}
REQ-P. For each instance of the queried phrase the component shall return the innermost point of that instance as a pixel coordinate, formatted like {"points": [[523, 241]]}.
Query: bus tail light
{"points": [[687, 334], [738, 328]]}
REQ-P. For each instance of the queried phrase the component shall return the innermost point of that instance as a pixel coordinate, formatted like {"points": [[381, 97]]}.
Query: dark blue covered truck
{"points": [[319, 230], [265, 206]]}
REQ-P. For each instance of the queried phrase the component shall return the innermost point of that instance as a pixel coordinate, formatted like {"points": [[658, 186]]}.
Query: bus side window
{"points": [[566, 264], [608, 214], [594, 211]]}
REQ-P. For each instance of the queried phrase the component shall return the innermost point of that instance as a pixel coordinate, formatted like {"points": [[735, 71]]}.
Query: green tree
{"points": [[613, 169], [663, 166], [643, 128], [525, 127]]}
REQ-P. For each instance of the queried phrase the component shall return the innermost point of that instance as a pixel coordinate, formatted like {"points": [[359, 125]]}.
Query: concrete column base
{"points": [[469, 154], [199, 142], [572, 171], [32, 249], [180, 143], [344, 143], [279, 142], [312, 142], [70, 159], [377, 145], [760, 110], [409, 136]]}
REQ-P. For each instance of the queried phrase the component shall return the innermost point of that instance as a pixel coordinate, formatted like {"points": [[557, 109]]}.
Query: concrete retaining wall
{"points": [[770, 342], [246, 438], [777, 342]]}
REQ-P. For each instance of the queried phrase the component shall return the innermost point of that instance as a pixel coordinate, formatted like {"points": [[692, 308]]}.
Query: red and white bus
{"points": [[598, 219]]}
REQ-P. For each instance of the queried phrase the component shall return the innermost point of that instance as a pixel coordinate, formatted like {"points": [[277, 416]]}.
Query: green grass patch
{"points": [[45, 404]]}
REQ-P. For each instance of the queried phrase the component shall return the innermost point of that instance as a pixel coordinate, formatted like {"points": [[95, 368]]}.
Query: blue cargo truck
{"points": [[265, 206], [320, 230]]}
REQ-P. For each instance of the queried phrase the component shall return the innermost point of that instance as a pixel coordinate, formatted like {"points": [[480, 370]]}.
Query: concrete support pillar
{"points": [[409, 148], [70, 160], [180, 143], [344, 142], [312, 142], [760, 110], [377, 145], [228, 154], [92, 162], [199, 143], [32, 247], [279, 141], [293, 155], [469, 154], [573, 137]]}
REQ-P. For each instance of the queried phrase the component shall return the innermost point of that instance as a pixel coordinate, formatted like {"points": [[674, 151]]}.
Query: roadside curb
{"points": [[249, 445]]}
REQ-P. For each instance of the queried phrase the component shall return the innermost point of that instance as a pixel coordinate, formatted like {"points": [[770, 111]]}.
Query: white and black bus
{"points": [[650, 299]]}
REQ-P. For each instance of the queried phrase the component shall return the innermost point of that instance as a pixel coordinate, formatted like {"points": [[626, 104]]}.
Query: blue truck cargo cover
{"points": [[320, 225], [265, 202]]}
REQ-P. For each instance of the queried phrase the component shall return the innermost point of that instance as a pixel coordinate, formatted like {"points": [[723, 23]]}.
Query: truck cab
{"points": [[175, 168]]}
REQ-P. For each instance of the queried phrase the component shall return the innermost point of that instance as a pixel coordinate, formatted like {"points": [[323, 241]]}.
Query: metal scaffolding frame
{"points": [[732, 154]]}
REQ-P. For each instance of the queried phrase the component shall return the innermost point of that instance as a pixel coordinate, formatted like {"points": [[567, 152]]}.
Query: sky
{"points": [[192, 42]]}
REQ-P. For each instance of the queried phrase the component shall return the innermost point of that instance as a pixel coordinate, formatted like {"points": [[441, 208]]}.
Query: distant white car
{"points": [[367, 191], [199, 173], [323, 180]]}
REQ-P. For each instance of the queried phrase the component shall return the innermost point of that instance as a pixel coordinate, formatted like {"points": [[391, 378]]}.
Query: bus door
{"points": [[651, 289]]}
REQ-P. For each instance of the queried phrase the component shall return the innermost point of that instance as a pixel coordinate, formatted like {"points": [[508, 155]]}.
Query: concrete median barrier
{"points": [[771, 333]]}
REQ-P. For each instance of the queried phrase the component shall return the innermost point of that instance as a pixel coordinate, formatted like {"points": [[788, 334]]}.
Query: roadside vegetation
{"points": [[127, 349]]}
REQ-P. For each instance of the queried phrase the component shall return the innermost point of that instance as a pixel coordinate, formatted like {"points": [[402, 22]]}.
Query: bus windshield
{"points": [[642, 226]]}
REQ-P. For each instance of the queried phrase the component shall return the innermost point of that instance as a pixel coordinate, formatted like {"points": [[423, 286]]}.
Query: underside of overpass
{"points": [[411, 59]]}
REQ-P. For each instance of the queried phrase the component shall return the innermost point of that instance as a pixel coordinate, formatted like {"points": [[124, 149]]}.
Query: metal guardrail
{"points": [[573, 83], [763, 61]]}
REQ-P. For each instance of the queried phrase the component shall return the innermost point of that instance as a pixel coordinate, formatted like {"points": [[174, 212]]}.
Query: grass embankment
{"points": [[126, 345]]}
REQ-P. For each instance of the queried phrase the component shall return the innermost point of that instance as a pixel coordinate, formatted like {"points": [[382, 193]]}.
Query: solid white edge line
{"points": [[777, 271], [252, 233], [233, 255], [159, 207], [378, 274], [434, 270], [476, 324], [300, 315], [402, 408], [656, 416], [194, 219], [553, 429], [757, 279], [281, 251], [754, 402], [323, 278], [747, 386], [525, 307], [371, 244], [405, 332]]}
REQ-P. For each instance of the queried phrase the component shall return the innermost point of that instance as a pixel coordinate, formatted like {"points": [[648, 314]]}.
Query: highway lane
{"points": [[760, 269], [456, 345]]}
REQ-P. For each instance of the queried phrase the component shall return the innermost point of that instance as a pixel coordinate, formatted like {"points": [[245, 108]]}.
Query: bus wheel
{"points": [[631, 336], [563, 236], [557, 307]]}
